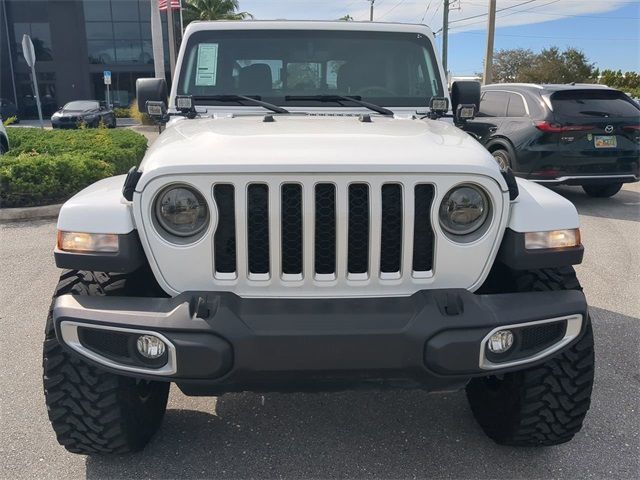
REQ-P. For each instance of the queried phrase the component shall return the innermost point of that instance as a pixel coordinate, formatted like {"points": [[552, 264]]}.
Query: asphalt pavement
{"points": [[339, 435]]}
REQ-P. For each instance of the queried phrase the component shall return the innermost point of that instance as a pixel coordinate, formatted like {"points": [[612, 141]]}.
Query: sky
{"points": [[607, 31]]}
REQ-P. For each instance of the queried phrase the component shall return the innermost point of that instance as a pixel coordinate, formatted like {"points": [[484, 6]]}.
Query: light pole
{"points": [[491, 30], [371, 11]]}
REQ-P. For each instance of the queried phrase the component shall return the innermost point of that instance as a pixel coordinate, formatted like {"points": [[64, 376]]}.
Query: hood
{"points": [[294, 144]]}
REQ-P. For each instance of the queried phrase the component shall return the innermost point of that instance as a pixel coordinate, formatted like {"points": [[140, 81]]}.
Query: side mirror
{"points": [[151, 90], [465, 99]]}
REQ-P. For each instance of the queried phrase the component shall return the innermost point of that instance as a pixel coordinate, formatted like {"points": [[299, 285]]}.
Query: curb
{"points": [[29, 213]]}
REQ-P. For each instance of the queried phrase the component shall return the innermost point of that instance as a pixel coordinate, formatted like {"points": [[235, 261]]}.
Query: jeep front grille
{"points": [[374, 227]]}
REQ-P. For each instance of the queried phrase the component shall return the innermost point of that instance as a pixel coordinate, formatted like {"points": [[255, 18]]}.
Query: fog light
{"points": [[150, 347], [552, 239], [500, 341]]}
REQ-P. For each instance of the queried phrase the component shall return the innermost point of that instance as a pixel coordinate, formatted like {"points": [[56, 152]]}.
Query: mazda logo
{"points": [[608, 129]]}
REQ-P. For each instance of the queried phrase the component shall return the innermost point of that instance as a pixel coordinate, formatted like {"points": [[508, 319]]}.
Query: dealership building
{"points": [[75, 42]]}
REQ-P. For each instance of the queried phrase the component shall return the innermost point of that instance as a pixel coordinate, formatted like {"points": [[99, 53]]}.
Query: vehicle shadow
{"points": [[625, 205], [394, 434]]}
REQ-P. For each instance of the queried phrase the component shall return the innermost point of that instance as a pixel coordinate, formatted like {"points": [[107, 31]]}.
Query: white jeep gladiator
{"points": [[314, 217]]}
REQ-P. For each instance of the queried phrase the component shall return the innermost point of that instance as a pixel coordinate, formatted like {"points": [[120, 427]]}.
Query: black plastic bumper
{"points": [[225, 343]]}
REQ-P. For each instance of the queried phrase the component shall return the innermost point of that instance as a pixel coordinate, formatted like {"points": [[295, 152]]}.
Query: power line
{"points": [[426, 10], [552, 37], [509, 14], [434, 13], [392, 8], [499, 10]]}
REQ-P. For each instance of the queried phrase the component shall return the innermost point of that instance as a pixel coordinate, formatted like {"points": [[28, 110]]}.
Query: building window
{"points": [[118, 31], [46, 88], [40, 36]]}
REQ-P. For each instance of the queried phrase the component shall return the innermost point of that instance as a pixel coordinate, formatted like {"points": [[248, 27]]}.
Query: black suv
{"points": [[586, 135]]}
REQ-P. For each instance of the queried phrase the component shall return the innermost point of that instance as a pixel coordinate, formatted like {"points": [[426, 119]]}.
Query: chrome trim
{"points": [[583, 177], [574, 326], [69, 333]]}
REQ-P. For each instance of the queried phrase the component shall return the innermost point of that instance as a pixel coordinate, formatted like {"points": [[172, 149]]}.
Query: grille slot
{"points": [[391, 236], [325, 229], [358, 256], [225, 237], [258, 228], [291, 228], [422, 230]]}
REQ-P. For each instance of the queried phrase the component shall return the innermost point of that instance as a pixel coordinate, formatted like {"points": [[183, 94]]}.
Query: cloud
{"points": [[514, 12]]}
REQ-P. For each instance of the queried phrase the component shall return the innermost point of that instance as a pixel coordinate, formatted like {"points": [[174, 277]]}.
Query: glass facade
{"points": [[118, 31], [75, 42]]}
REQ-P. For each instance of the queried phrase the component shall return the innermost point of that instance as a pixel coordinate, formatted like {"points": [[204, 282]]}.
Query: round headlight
{"points": [[182, 211], [464, 209]]}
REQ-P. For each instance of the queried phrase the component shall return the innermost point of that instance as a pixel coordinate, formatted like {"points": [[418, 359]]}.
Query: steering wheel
{"points": [[375, 92]]}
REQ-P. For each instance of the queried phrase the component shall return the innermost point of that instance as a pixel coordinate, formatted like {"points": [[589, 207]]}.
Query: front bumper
{"points": [[219, 342]]}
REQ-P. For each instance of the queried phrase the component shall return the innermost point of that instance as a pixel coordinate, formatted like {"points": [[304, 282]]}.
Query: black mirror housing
{"points": [[465, 93], [150, 90]]}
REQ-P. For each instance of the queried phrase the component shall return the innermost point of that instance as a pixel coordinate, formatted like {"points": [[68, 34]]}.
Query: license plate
{"points": [[605, 141]]}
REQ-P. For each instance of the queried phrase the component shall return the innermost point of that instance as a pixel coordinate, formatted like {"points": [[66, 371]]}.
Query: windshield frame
{"points": [[210, 35]]}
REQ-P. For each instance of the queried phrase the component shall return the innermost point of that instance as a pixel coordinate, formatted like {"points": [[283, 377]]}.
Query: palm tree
{"points": [[212, 10]]}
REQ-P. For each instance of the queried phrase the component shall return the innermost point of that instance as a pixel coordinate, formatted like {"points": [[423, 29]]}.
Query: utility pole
{"points": [[371, 11], [491, 30], [445, 35]]}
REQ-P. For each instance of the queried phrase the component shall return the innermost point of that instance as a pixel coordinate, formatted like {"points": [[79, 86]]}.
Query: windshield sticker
{"points": [[207, 64]]}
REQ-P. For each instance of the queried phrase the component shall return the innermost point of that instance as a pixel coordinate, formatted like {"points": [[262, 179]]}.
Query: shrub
{"points": [[9, 121], [143, 118], [122, 112], [48, 166]]}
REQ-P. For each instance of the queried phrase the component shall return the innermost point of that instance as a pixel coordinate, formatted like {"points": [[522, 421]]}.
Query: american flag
{"points": [[162, 4]]}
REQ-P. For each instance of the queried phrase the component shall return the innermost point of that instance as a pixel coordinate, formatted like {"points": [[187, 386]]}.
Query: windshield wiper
{"points": [[240, 99], [340, 98], [594, 113]]}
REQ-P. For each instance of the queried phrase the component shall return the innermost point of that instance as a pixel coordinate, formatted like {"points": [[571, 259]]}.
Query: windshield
{"points": [[593, 103], [384, 68], [81, 105]]}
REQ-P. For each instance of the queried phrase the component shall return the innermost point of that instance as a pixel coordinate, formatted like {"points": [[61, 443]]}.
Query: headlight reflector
{"points": [[552, 239], [87, 242], [464, 209], [181, 211]]}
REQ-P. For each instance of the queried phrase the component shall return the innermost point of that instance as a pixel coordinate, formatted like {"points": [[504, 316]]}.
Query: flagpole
{"points": [[172, 41], [156, 40]]}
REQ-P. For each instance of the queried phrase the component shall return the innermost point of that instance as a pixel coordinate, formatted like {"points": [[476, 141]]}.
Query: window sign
{"points": [[207, 64]]}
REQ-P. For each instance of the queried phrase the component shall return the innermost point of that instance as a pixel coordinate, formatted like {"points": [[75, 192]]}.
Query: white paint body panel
{"points": [[313, 145], [230, 144], [99, 208], [538, 209], [181, 268]]}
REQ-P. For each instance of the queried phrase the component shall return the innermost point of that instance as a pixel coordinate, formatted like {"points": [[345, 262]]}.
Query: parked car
{"points": [[8, 109], [4, 139], [348, 236], [584, 135], [87, 112]]}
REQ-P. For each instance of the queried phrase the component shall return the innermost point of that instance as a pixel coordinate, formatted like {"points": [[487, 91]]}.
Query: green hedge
{"points": [[48, 166]]}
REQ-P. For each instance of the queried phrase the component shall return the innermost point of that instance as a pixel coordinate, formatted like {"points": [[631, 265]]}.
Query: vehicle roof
{"points": [[546, 87], [198, 26]]}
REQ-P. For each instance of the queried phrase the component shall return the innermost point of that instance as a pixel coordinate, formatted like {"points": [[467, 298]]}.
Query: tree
{"points": [[212, 10], [346, 18], [508, 64], [549, 66]]}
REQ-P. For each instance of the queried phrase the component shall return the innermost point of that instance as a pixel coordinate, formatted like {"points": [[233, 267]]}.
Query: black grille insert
{"points": [[539, 337], [106, 342], [358, 256], [391, 238], [225, 237], [258, 227], [422, 229], [291, 228], [325, 228]]}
